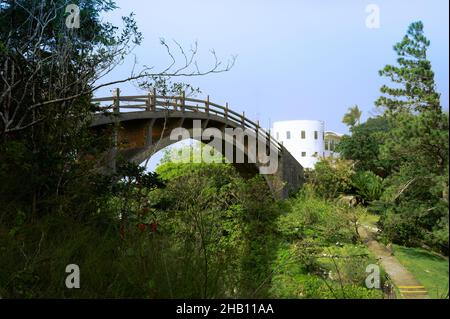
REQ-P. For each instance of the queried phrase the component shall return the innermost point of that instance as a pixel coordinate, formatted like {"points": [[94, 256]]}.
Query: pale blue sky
{"points": [[296, 59]]}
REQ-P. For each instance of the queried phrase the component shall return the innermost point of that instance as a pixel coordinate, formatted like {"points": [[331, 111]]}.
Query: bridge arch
{"points": [[142, 126]]}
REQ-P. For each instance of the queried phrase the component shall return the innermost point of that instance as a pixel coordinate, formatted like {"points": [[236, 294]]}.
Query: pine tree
{"points": [[419, 127], [416, 145], [415, 89]]}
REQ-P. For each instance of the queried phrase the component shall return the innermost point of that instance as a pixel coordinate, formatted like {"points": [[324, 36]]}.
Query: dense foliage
{"points": [[320, 254], [332, 177], [191, 230], [199, 231], [408, 148], [363, 146], [48, 75]]}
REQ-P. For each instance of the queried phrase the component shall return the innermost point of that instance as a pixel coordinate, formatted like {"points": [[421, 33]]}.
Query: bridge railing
{"points": [[160, 103]]}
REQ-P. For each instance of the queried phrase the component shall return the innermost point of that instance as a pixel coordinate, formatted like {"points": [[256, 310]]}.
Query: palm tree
{"points": [[352, 117]]}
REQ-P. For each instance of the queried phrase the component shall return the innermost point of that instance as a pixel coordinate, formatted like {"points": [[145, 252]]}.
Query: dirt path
{"points": [[409, 286]]}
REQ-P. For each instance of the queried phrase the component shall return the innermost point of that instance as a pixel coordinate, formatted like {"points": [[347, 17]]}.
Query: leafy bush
{"points": [[311, 271], [413, 208], [368, 185], [208, 233], [227, 221], [312, 216], [331, 177], [439, 236], [363, 146]]}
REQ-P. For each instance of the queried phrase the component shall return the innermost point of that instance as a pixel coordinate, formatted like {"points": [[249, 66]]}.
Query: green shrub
{"points": [[312, 216], [331, 177], [293, 278], [400, 228], [368, 185]]}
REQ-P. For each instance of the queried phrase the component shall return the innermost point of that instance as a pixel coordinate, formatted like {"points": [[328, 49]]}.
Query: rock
{"points": [[348, 200]]}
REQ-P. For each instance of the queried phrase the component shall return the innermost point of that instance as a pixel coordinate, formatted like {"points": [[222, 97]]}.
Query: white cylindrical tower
{"points": [[304, 139]]}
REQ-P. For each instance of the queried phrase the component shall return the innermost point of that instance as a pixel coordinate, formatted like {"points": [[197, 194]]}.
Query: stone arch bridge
{"points": [[142, 125]]}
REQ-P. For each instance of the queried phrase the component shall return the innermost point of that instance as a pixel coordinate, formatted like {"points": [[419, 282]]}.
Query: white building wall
{"points": [[306, 150]]}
